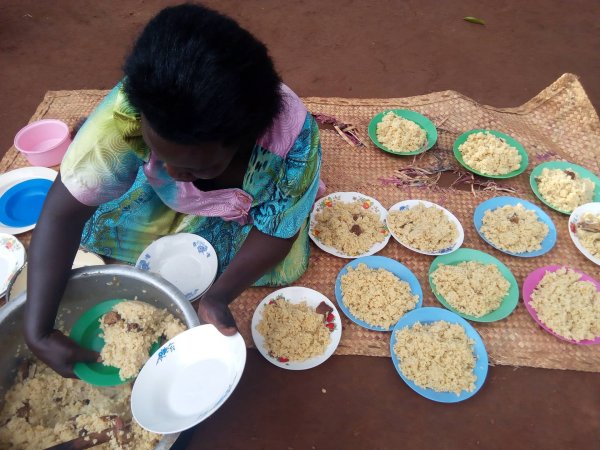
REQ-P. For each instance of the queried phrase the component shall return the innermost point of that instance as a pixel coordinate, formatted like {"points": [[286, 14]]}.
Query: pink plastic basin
{"points": [[44, 143]]}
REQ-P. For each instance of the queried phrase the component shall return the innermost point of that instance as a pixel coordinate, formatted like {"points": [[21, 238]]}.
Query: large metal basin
{"points": [[87, 287]]}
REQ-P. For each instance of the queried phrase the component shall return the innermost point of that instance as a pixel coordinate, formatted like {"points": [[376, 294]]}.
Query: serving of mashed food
{"points": [[471, 287], [565, 189], [587, 230], [399, 134], [43, 409], [424, 228], [349, 227], [489, 154], [129, 330], [376, 296], [295, 331], [437, 355], [514, 228], [568, 305]]}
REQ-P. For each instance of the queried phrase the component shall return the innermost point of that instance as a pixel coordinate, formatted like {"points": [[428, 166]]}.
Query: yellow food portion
{"points": [[471, 287], [399, 134], [376, 296], [437, 356], [293, 331]]}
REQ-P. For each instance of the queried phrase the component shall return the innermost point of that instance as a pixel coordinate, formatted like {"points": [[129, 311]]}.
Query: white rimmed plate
{"points": [[576, 215], [295, 295], [14, 177], [187, 379], [407, 204], [186, 260], [369, 203], [18, 283], [12, 258]]}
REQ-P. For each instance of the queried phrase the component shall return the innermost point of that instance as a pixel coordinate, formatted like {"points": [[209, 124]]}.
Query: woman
{"points": [[200, 137]]}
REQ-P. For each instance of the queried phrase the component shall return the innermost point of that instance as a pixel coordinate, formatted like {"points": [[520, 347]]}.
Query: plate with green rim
{"points": [[510, 300], [562, 165], [86, 332], [413, 116], [508, 139]]}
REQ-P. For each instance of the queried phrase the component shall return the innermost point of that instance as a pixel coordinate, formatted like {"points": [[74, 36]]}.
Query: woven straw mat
{"points": [[559, 123]]}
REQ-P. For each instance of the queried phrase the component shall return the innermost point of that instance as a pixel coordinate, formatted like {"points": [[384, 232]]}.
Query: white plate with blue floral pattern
{"points": [[185, 260], [187, 379], [12, 258]]}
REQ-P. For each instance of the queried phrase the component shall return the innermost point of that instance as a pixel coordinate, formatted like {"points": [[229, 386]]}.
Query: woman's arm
{"points": [[53, 246], [259, 253]]}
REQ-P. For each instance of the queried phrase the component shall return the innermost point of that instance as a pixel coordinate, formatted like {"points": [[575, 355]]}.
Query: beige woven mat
{"points": [[559, 123]]}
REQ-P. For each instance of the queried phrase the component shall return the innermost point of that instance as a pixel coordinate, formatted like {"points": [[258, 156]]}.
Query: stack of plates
{"points": [[22, 195]]}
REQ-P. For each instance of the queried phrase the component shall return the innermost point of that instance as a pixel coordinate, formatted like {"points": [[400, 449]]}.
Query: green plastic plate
{"points": [[413, 116], [509, 303], [509, 140], [562, 165], [86, 332]]}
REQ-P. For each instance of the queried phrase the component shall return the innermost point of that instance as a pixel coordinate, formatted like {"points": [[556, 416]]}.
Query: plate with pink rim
{"points": [[531, 283]]}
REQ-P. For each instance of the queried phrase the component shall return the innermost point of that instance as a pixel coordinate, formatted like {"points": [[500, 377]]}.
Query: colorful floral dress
{"points": [[108, 165]]}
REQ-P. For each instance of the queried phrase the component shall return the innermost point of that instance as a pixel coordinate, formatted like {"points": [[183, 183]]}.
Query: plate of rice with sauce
{"points": [[296, 328], [515, 226], [564, 186], [425, 227], [565, 302], [439, 355], [349, 225], [402, 132]]}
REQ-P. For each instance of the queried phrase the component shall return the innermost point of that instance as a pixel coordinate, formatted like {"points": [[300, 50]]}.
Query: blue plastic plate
{"points": [[377, 262], [428, 315], [21, 205], [497, 202]]}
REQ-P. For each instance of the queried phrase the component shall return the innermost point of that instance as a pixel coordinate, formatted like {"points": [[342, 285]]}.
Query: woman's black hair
{"points": [[197, 76]]}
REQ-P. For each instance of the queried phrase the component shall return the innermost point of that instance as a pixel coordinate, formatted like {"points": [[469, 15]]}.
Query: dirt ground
{"points": [[350, 48]]}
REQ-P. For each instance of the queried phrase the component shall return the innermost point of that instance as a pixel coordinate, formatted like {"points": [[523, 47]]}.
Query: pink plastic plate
{"points": [[531, 282]]}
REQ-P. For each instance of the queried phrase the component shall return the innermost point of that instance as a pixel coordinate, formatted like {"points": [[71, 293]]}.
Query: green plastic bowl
{"points": [[86, 332], [509, 303], [509, 140], [562, 165], [413, 116]]}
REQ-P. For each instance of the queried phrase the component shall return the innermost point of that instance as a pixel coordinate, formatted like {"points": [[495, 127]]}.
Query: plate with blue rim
{"points": [[498, 202], [429, 315], [377, 262]]}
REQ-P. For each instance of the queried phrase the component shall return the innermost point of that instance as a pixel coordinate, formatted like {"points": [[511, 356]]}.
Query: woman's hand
{"points": [[217, 313], [258, 254], [60, 353]]}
